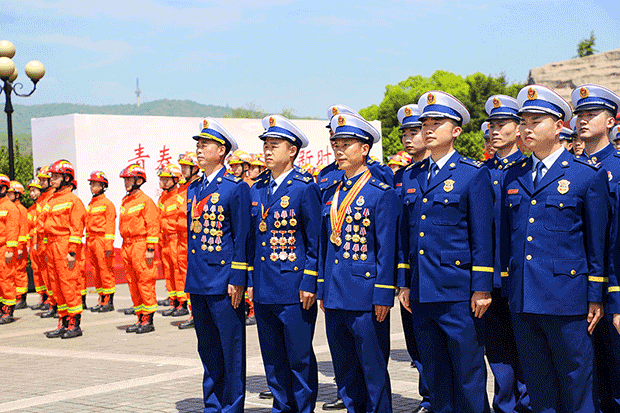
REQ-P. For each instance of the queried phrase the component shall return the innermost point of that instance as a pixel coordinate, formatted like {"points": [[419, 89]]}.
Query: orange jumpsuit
{"points": [[9, 236], [170, 206], [139, 227], [39, 285], [100, 227], [39, 240], [182, 237], [63, 225], [21, 275]]}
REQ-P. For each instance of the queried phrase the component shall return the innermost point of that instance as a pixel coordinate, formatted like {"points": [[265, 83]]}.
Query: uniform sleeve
{"points": [[23, 227], [386, 220], [181, 215], [504, 241], [480, 218], [311, 220], [596, 212], [109, 227], [613, 286], [12, 229], [31, 223], [151, 218], [403, 266], [254, 198], [322, 250], [240, 225], [77, 220]]}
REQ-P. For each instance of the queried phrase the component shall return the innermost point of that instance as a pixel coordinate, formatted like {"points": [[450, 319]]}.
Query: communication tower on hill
{"points": [[138, 92]]}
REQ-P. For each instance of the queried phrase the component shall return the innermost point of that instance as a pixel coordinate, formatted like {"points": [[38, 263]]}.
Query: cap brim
{"points": [[279, 136], [516, 118], [439, 115]]}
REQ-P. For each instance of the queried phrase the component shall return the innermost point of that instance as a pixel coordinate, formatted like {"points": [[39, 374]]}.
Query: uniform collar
{"points": [[280, 179], [211, 177], [444, 159], [549, 160], [603, 153], [347, 183]]}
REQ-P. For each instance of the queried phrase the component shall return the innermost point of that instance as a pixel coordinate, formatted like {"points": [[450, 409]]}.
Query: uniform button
{"points": [[495, 182], [457, 262], [425, 200], [423, 217], [573, 272], [561, 205], [193, 237], [530, 238], [368, 274], [193, 251], [529, 257], [222, 262], [262, 258], [533, 202], [445, 201], [421, 234], [421, 252], [531, 220], [295, 269], [264, 244], [335, 261]]}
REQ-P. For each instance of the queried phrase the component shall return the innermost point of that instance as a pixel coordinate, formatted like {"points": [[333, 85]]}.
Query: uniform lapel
{"points": [[444, 173], [555, 172], [526, 178], [282, 189], [423, 175]]}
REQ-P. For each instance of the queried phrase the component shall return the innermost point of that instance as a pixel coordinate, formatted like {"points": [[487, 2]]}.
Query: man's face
{"points": [[209, 152], [45, 183], [539, 130], [567, 144], [56, 180], [349, 152], [35, 193], [166, 182], [129, 183], [95, 187], [503, 133], [186, 170], [277, 152], [11, 195], [237, 169], [617, 144], [578, 146], [439, 132], [593, 123], [254, 171], [413, 141]]}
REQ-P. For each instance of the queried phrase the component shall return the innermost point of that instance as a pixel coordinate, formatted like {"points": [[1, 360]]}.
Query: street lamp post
{"points": [[8, 73]]}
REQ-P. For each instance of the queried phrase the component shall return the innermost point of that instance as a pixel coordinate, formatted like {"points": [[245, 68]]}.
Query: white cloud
{"points": [[110, 50]]}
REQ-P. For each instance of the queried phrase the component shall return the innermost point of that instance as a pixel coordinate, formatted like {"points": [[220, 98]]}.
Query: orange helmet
{"points": [[238, 157], [98, 176], [171, 171], [44, 172], [17, 187], [317, 170], [64, 167], [188, 158], [258, 160], [133, 171], [34, 183], [396, 160], [5, 181], [405, 156]]}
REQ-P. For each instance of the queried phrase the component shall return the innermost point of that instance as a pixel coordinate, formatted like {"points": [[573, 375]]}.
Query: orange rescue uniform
{"points": [[33, 212], [39, 254], [139, 226], [63, 225], [9, 236], [100, 228], [170, 205], [21, 275]]}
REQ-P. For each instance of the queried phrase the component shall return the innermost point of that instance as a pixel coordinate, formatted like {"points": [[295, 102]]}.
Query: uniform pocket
{"points": [[513, 204], [218, 258], [364, 271], [561, 213], [571, 268], [446, 209], [461, 259]]}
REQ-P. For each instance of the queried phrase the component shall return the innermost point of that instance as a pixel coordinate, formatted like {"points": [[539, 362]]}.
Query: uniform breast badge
{"points": [[563, 186], [284, 201], [448, 185]]}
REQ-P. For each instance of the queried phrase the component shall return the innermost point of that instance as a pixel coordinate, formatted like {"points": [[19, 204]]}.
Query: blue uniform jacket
{"points": [[217, 246], [446, 237], [497, 167], [554, 251], [347, 283], [297, 204], [331, 174]]}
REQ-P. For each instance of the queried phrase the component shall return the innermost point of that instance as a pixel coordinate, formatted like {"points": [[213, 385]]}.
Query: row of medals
{"points": [[357, 236], [282, 243], [212, 227]]}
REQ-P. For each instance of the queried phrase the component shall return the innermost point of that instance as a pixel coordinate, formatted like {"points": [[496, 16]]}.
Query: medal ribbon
{"points": [[264, 213], [337, 213], [197, 209]]}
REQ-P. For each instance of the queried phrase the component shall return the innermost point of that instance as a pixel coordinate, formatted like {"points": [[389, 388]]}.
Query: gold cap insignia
{"points": [[334, 111], [341, 121], [583, 92], [272, 122], [205, 124], [532, 94], [430, 99], [407, 111], [496, 103]]}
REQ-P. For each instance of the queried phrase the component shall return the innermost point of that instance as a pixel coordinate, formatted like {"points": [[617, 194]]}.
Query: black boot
{"points": [[169, 311], [108, 303], [73, 328], [21, 304], [96, 308], [147, 324], [84, 306], [165, 302], [129, 311], [337, 404], [134, 327], [181, 310], [39, 305], [52, 313], [267, 394], [189, 323], [7, 314], [63, 323]]}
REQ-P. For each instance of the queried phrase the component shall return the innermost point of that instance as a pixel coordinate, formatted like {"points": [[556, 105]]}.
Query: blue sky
{"points": [[305, 55]]}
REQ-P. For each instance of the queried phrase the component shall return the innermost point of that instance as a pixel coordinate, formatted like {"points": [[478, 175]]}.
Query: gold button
{"points": [[335, 261], [573, 272], [262, 258], [421, 252], [264, 244], [500, 167], [425, 200], [295, 268], [495, 182], [533, 202], [445, 201], [367, 274], [193, 237], [531, 220], [222, 262], [193, 251], [529, 257], [423, 217], [457, 262], [421, 234], [530, 238], [561, 205]]}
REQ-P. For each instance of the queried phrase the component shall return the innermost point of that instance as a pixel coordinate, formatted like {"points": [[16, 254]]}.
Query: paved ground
{"points": [[109, 370]]}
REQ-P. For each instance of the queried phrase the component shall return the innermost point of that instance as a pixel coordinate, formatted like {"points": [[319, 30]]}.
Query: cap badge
{"points": [[430, 99], [407, 111], [272, 122], [448, 185], [563, 186], [334, 111], [532, 94], [584, 93], [496, 103], [205, 124], [341, 121]]}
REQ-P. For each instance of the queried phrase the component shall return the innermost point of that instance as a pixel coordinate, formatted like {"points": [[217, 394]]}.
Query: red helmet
{"points": [[98, 176], [17, 187], [5, 181], [133, 171], [63, 167]]}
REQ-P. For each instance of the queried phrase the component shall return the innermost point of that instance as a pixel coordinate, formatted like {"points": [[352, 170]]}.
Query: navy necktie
{"points": [[539, 173], [272, 188], [434, 170]]}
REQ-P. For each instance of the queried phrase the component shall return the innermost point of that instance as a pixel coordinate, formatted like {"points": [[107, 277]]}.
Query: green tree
{"points": [[249, 111], [586, 46], [23, 169]]}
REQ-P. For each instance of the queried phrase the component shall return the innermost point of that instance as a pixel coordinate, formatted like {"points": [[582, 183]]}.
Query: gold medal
{"points": [[366, 222], [197, 227], [347, 237], [204, 247], [283, 256], [283, 241], [218, 248], [355, 257], [206, 217], [262, 226], [212, 216], [292, 222], [358, 216], [273, 241], [220, 233], [355, 238], [276, 224], [349, 219], [283, 222], [292, 241], [292, 257], [346, 255], [273, 256], [362, 240], [335, 239], [363, 257], [220, 217], [210, 248], [206, 231]]}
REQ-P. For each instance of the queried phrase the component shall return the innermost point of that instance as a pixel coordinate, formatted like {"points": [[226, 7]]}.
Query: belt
{"points": [[133, 240], [57, 237]]}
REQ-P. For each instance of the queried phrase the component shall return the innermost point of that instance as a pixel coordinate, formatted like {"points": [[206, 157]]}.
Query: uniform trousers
{"points": [[412, 349], [65, 282], [102, 267], [21, 275], [285, 333], [220, 330], [140, 277], [606, 341], [175, 283], [360, 350], [7, 278], [37, 277]]}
